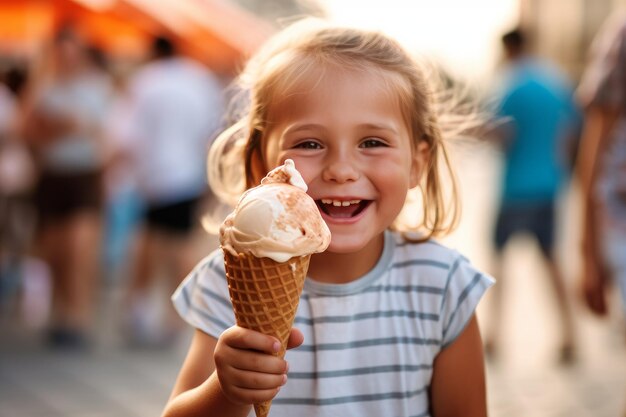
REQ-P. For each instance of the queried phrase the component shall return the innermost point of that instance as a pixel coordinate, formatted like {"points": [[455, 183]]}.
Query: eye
{"points": [[308, 144], [372, 143]]}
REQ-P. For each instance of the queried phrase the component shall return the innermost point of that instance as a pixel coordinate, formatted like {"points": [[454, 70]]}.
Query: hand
{"points": [[246, 367]]}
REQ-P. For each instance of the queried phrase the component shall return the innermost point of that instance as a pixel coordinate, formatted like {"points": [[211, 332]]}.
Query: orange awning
{"points": [[213, 31]]}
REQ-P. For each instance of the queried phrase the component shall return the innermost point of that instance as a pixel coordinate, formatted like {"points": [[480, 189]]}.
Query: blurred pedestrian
{"points": [[602, 166], [174, 107], [123, 204], [537, 121], [67, 101], [16, 182]]}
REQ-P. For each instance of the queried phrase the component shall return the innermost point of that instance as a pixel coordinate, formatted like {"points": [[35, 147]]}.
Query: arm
{"points": [[225, 376], [41, 127], [458, 383], [598, 124]]}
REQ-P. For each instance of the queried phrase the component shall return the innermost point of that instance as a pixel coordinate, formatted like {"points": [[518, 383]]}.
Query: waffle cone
{"points": [[265, 296]]}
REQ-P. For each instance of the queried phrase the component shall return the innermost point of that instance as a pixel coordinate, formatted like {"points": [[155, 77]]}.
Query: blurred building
{"points": [[564, 29]]}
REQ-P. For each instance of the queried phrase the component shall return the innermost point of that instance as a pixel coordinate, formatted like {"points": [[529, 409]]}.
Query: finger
{"points": [[295, 338], [252, 396], [259, 362], [241, 338], [256, 380]]}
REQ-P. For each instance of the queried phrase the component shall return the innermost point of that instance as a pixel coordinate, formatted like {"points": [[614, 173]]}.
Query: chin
{"points": [[340, 249], [342, 245]]}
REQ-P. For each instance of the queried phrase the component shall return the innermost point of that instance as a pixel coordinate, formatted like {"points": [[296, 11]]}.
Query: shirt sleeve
{"points": [[202, 299], [465, 286]]}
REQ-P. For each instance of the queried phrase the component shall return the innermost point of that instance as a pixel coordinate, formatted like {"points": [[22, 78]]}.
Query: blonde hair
{"points": [[288, 57]]}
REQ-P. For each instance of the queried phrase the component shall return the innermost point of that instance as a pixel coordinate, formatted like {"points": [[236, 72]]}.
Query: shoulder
{"points": [[212, 264], [202, 299], [435, 263], [443, 281], [426, 264], [208, 273], [409, 250]]}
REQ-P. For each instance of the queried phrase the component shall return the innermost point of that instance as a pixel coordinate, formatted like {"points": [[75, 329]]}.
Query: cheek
{"points": [[307, 168], [393, 187]]}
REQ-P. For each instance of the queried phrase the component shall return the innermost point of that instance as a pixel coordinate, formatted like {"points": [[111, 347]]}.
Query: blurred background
{"points": [[107, 108]]}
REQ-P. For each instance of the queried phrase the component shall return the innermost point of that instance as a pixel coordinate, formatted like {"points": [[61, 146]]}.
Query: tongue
{"points": [[341, 211]]}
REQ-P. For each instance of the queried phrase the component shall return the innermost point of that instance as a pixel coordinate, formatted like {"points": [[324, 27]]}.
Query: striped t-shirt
{"points": [[369, 345]]}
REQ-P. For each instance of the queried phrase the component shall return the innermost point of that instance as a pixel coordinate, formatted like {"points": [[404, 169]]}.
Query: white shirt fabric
{"points": [[85, 97], [175, 106], [369, 345]]}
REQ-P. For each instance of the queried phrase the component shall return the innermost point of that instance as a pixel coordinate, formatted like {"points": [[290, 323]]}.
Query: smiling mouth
{"points": [[342, 209]]}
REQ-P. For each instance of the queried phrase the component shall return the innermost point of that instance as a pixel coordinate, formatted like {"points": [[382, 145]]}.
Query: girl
{"points": [[386, 319]]}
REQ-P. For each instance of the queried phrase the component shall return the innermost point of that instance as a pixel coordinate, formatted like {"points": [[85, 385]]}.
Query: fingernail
{"points": [[276, 346], [284, 379], [286, 366]]}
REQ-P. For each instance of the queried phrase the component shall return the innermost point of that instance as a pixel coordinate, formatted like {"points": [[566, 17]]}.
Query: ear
{"points": [[418, 162]]}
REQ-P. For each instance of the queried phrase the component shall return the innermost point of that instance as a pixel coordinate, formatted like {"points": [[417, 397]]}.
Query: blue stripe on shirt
{"points": [[351, 398], [426, 262], [359, 371], [210, 318], [366, 316], [369, 342], [386, 288], [224, 301]]}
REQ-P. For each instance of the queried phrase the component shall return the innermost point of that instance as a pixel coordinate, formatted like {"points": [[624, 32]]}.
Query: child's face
{"points": [[350, 142]]}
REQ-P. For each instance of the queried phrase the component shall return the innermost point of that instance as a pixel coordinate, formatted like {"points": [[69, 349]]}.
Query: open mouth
{"points": [[342, 209]]}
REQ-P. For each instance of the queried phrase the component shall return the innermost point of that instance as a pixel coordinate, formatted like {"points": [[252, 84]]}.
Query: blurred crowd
{"points": [[102, 178]]}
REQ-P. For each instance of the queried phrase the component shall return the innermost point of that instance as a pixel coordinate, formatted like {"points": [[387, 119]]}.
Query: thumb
{"points": [[295, 338]]}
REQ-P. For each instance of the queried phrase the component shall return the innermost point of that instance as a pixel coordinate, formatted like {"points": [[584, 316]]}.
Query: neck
{"points": [[342, 268]]}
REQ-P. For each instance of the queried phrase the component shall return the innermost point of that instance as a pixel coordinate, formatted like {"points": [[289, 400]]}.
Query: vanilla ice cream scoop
{"points": [[276, 219]]}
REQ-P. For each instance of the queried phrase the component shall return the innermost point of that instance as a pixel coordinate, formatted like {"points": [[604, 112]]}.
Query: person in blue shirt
{"points": [[537, 120]]}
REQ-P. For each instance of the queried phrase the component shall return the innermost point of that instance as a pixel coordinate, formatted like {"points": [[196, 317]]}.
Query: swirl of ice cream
{"points": [[276, 219]]}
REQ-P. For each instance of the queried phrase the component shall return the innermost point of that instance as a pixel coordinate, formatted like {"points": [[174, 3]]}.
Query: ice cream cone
{"points": [[265, 296], [267, 242]]}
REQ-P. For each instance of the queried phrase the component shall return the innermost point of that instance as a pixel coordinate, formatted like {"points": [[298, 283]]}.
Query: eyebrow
{"points": [[307, 126], [368, 126], [379, 126]]}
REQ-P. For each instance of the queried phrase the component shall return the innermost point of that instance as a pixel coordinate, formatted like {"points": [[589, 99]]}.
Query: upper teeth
{"points": [[339, 203]]}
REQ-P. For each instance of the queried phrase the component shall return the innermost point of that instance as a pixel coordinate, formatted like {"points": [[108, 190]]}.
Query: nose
{"points": [[341, 167]]}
